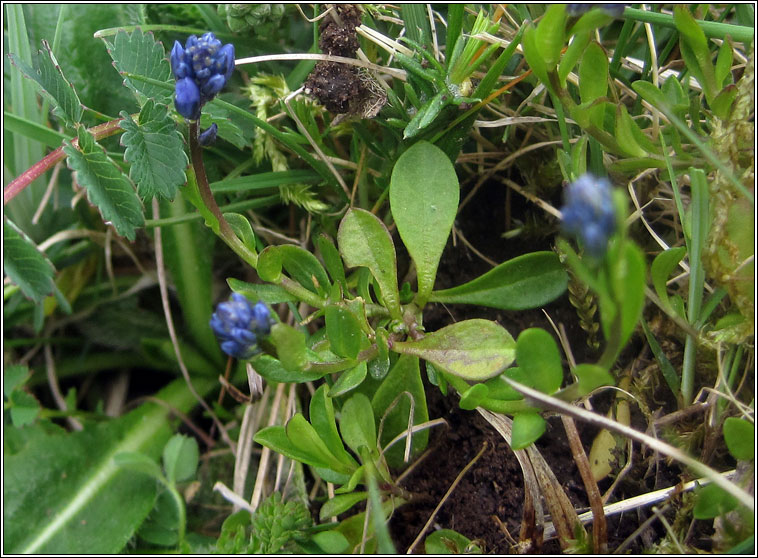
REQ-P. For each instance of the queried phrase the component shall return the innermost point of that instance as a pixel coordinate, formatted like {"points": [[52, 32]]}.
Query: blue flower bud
{"points": [[588, 213], [208, 64], [238, 325], [187, 99], [209, 136]]}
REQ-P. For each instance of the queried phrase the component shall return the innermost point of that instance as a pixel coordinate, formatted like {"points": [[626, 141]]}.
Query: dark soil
{"points": [[489, 499]]}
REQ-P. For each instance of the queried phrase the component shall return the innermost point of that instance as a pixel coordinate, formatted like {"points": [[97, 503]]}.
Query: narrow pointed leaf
{"points": [[528, 281]]}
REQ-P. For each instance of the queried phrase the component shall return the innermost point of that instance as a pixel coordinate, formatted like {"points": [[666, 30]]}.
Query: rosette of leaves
{"points": [[261, 18]]}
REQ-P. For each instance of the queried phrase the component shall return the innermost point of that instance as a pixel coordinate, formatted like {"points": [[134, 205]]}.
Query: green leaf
{"points": [[304, 268], [24, 408], [661, 268], [14, 376], [527, 281], [349, 380], [271, 294], [242, 228], [424, 196], [625, 135], [723, 69], [340, 504], [270, 264], [343, 329], [404, 379], [155, 150], [273, 370], [573, 52], [321, 411], [107, 187], [534, 56], [365, 241], [628, 282], [63, 493], [593, 81], [694, 47], [591, 376], [447, 541], [538, 356], [53, 85], [180, 458], [300, 432], [331, 542], [473, 396], [472, 349], [527, 428], [551, 33], [140, 54], [357, 424], [712, 501], [290, 346], [332, 260], [739, 435], [139, 462], [25, 265], [426, 114], [300, 441]]}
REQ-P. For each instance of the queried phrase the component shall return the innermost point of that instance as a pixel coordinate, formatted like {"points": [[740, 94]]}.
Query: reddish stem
{"points": [[48, 161]]}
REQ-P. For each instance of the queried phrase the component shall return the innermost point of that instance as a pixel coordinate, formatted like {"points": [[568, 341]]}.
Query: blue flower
{"points": [[209, 136], [588, 213], [201, 68], [238, 325]]}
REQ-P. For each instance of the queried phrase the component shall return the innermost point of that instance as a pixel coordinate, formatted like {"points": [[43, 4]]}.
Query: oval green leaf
{"points": [[343, 329], [538, 356], [528, 281], [473, 349], [365, 241], [739, 436], [527, 428], [424, 196], [349, 380]]}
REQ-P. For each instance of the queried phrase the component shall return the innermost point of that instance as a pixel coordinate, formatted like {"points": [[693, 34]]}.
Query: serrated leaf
{"points": [[53, 85], [424, 196], [25, 265], [24, 408], [528, 281], [365, 241], [107, 187], [155, 150], [14, 376], [472, 349], [140, 54]]}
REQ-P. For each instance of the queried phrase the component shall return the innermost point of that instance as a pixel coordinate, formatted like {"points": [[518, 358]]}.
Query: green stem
{"points": [[225, 231], [51, 159], [712, 29]]}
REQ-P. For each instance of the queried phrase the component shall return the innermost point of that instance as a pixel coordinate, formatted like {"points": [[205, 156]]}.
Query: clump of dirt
{"points": [[341, 88]]}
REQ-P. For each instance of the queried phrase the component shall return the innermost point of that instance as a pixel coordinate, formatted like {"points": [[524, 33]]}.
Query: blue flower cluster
{"points": [[588, 213], [201, 68], [238, 324]]}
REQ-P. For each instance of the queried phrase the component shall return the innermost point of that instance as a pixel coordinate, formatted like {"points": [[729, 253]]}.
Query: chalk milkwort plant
{"points": [[324, 305]]}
